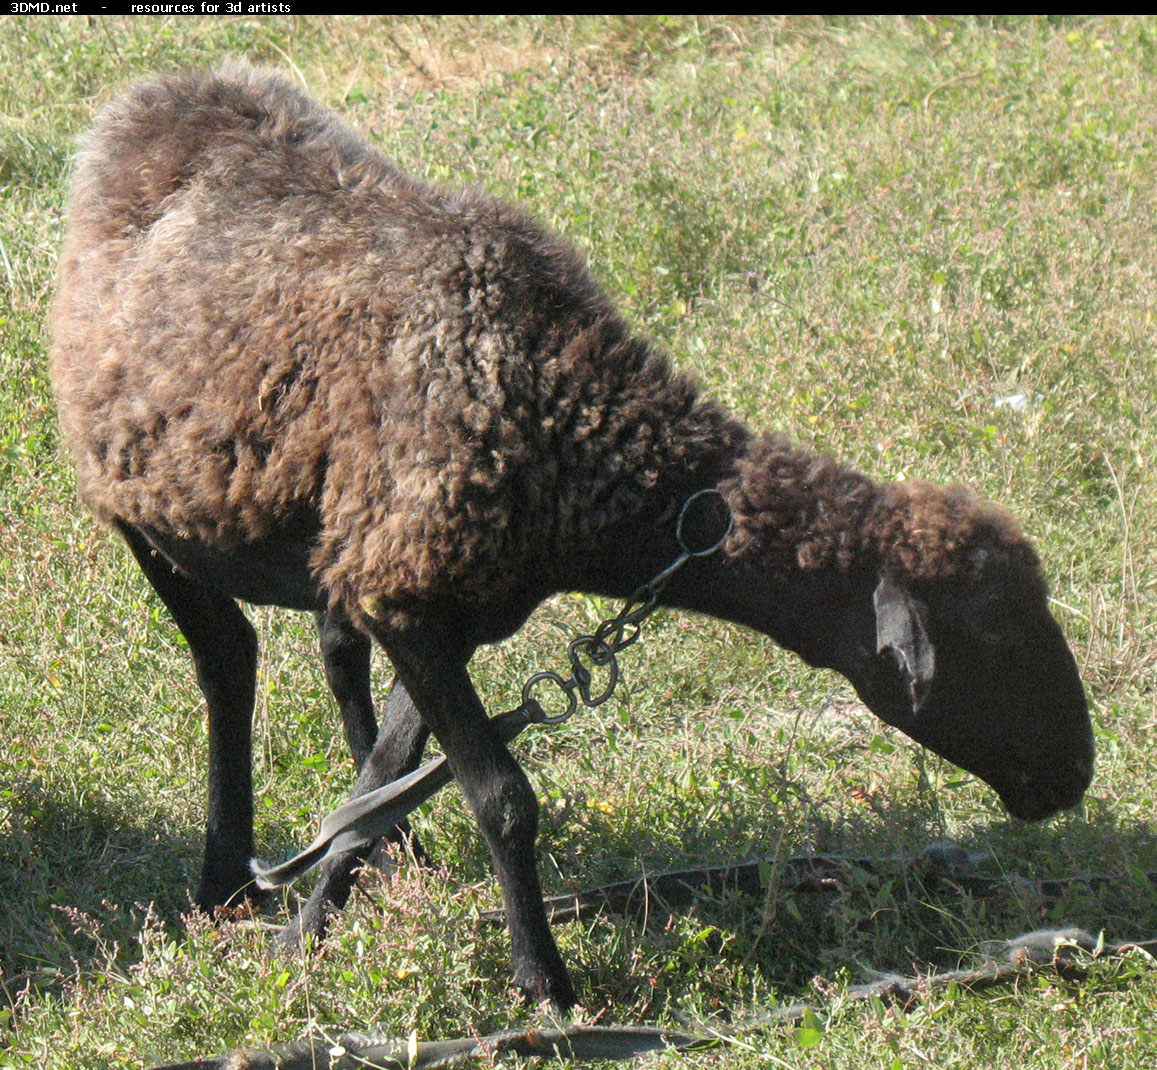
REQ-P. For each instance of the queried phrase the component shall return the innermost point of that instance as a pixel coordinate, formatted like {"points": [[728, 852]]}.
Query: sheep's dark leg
{"points": [[500, 796], [346, 653], [224, 649], [398, 751]]}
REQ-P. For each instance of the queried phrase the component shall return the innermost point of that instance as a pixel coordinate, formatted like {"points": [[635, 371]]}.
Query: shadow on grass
{"points": [[78, 874], [890, 915]]}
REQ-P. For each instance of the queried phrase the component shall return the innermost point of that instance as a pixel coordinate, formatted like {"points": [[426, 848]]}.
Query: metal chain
{"points": [[598, 651]]}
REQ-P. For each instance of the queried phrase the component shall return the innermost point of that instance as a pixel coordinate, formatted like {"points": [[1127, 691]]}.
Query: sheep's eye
{"points": [[1000, 644]]}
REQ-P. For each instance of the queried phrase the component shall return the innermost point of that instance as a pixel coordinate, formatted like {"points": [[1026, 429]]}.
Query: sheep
{"points": [[292, 375]]}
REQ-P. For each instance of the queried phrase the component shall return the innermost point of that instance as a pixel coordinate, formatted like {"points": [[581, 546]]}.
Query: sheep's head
{"points": [[932, 605], [979, 672], [957, 648]]}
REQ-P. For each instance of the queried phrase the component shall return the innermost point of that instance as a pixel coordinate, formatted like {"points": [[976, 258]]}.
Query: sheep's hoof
{"points": [[239, 896], [558, 992], [305, 931], [287, 941]]}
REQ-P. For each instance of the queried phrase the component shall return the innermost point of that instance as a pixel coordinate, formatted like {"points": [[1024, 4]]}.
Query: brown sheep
{"points": [[292, 375]]}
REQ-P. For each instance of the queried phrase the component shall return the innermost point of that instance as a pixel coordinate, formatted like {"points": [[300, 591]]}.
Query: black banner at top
{"points": [[151, 7]]}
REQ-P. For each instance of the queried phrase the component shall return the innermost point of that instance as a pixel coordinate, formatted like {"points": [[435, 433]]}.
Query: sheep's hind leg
{"points": [[397, 751], [224, 649], [346, 653]]}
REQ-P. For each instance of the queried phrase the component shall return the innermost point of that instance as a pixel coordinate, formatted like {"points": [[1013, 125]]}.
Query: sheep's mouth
{"points": [[1036, 806], [1035, 777], [1035, 797], [1031, 789]]}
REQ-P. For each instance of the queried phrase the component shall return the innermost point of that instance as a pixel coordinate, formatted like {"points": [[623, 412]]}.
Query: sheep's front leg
{"points": [[434, 674], [224, 649], [398, 751]]}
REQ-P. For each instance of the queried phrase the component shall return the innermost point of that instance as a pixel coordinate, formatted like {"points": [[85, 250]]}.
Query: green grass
{"points": [[870, 234]]}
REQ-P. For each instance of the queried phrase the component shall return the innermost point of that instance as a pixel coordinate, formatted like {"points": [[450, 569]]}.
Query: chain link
{"points": [[613, 635]]}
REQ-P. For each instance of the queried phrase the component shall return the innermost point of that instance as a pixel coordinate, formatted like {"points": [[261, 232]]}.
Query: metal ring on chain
{"points": [[534, 708], [600, 656], [679, 534], [612, 635]]}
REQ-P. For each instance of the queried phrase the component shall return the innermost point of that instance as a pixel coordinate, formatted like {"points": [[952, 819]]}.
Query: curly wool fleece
{"points": [[260, 316]]}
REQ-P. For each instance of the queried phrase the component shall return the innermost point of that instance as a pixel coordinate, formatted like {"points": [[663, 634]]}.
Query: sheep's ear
{"points": [[902, 628]]}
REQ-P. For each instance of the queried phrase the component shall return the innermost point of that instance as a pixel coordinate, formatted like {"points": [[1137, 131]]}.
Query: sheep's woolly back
{"points": [[258, 315]]}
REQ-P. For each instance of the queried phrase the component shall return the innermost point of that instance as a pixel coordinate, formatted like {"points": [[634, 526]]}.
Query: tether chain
{"points": [[615, 634]]}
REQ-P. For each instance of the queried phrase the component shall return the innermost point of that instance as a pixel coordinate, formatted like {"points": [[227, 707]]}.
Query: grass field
{"points": [[923, 245]]}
